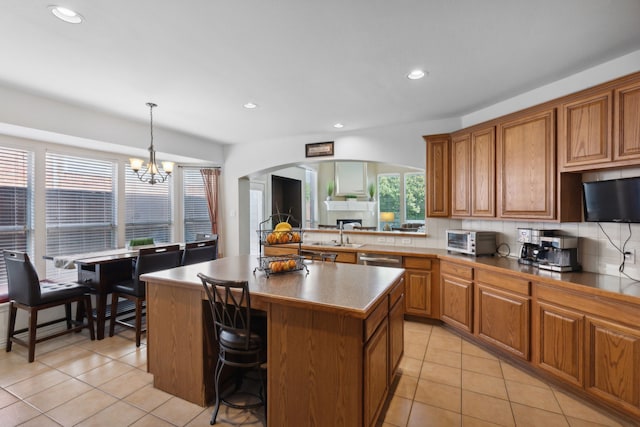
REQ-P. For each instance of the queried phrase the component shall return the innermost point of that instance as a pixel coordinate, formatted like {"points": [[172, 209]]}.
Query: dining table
{"points": [[100, 270]]}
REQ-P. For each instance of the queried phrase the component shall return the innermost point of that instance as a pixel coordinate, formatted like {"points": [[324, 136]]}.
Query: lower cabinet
{"points": [[613, 363], [560, 341], [456, 295], [383, 349], [376, 380], [422, 290], [577, 340], [502, 311]]}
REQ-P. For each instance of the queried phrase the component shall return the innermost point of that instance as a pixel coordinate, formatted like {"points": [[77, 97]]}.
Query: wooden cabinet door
{"points": [[584, 134], [613, 363], [502, 318], [626, 123], [438, 191], [418, 292], [559, 336], [456, 302], [396, 336], [461, 175], [526, 172], [376, 376], [483, 167]]}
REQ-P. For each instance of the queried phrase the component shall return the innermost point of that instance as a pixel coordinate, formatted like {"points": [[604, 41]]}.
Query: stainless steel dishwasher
{"points": [[380, 260]]}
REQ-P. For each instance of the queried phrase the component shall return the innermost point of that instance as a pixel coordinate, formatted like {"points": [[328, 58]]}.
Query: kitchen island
{"points": [[335, 337]]}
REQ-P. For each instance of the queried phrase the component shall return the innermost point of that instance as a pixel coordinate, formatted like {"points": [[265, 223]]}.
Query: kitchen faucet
{"points": [[341, 229]]}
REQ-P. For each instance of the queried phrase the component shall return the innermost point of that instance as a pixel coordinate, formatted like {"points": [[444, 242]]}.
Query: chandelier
{"points": [[151, 173]]}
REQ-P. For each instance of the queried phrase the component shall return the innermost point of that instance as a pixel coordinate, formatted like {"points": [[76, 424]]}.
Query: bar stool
{"points": [[239, 347]]}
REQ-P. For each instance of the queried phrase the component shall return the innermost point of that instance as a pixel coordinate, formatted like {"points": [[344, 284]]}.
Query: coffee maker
{"points": [[558, 253], [530, 248]]}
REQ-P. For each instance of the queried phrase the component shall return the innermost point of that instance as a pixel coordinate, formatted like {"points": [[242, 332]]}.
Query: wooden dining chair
{"points": [[26, 292], [195, 252], [148, 260]]}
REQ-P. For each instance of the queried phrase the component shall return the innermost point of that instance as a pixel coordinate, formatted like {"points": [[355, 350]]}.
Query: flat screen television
{"points": [[614, 200]]}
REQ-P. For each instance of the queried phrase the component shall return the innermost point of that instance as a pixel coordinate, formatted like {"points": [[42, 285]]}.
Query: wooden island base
{"points": [[334, 338]]}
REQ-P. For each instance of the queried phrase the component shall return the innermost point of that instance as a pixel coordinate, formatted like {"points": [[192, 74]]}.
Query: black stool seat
{"points": [[238, 341]]}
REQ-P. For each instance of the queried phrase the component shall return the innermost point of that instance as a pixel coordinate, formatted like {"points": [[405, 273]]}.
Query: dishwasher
{"points": [[380, 260]]}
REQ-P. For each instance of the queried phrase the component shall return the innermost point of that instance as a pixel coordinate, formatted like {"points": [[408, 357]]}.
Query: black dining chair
{"points": [[239, 346], [195, 252], [26, 292], [148, 260]]}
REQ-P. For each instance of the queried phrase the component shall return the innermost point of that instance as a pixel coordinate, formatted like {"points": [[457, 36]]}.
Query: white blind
{"points": [[16, 205], [80, 205], [148, 209], [196, 212]]}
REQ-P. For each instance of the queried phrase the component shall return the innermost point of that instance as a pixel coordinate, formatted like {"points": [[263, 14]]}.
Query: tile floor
{"points": [[444, 381]]}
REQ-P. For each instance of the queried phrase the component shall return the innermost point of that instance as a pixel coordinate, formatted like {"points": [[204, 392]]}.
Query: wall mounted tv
{"points": [[614, 200]]}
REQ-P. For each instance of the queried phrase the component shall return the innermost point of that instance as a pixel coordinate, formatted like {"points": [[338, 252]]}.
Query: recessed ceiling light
{"points": [[67, 15], [250, 105], [338, 126], [416, 74]]}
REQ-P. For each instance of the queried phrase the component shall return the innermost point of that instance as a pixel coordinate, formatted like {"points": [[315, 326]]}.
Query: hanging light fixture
{"points": [[152, 174]]}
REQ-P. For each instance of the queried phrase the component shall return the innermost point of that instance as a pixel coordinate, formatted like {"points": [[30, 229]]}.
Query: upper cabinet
{"points": [[584, 133], [626, 123], [473, 173], [438, 200], [526, 173], [600, 128]]}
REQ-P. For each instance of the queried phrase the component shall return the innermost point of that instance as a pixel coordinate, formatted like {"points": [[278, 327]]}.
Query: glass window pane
{"points": [[80, 207], [196, 210], [388, 201], [414, 197], [16, 205], [148, 209]]}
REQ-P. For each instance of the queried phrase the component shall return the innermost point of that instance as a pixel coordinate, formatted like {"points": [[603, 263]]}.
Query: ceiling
{"points": [[307, 64]]}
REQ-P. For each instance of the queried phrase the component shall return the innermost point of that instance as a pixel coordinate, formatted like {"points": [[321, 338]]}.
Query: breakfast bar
{"points": [[335, 337]]}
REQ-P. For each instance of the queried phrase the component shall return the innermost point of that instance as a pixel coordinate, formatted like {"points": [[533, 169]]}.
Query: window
{"points": [[196, 210], [405, 199], [80, 206], [414, 201], [16, 205], [311, 197], [148, 209], [389, 200], [256, 216]]}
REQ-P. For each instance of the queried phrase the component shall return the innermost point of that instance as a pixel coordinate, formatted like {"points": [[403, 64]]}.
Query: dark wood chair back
{"points": [[202, 251]]}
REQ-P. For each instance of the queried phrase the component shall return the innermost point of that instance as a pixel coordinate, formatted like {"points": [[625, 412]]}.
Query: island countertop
{"points": [[350, 289]]}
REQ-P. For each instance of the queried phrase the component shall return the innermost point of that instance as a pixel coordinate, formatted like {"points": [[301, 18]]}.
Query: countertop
{"points": [[351, 289], [578, 280]]}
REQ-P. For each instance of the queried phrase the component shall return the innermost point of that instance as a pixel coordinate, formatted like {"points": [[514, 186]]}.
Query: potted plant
{"points": [[372, 191], [330, 187]]}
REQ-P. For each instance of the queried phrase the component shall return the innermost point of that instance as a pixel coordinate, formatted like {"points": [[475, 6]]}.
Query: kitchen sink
{"points": [[336, 244]]}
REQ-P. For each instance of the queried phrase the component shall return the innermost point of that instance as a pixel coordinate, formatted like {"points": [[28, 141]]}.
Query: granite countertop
{"points": [[351, 289]]}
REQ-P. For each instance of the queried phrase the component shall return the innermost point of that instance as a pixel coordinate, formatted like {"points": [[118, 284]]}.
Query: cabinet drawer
{"points": [[499, 280], [375, 318], [346, 257], [417, 262], [457, 270]]}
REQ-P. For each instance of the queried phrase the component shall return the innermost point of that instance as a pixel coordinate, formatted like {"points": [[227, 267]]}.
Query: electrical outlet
{"points": [[381, 239], [406, 241], [630, 256]]}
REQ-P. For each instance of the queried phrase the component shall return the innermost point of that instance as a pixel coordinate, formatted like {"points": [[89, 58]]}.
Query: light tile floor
{"points": [[445, 381]]}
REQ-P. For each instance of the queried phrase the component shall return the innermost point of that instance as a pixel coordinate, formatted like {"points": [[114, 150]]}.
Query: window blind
{"points": [[80, 206], [196, 212], [16, 205], [148, 209]]}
